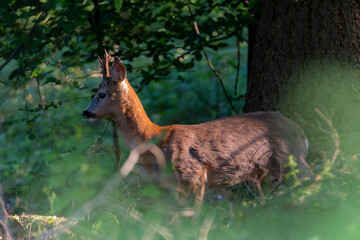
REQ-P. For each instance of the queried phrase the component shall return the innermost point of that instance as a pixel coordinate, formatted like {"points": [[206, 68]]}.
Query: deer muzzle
{"points": [[88, 115]]}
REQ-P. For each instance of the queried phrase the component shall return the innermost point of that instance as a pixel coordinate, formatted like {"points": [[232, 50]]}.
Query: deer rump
{"points": [[232, 149]]}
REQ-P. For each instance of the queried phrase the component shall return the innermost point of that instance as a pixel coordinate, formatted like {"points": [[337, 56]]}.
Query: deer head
{"points": [[109, 91]]}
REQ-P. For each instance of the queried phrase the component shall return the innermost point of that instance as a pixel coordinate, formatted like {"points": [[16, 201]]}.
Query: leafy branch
{"points": [[215, 72], [22, 45]]}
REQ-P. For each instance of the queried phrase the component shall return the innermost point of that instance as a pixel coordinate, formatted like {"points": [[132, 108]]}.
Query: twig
{"points": [[155, 228], [303, 121], [11, 56], [26, 104], [43, 108], [334, 135], [23, 219], [7, 234], [48, 61], [215, 72], [238, 65], [187, 52], [61, 67], [206, 227], [42, 100], [224, 37], [4, 222], [135, 154], [42, 103]]}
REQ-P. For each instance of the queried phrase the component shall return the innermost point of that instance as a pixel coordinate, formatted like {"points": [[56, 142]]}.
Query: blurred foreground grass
{"points": [[137, 208], [63, 171], [98, 204]]}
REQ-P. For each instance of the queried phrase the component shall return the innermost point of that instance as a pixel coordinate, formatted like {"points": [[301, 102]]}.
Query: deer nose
{"points": [[87, 114]]}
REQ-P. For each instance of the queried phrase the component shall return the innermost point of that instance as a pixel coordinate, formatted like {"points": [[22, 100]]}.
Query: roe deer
{"points": [[223, 151]]}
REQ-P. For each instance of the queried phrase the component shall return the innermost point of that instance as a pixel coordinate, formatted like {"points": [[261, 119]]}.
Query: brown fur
{"points": [[224, 151]]}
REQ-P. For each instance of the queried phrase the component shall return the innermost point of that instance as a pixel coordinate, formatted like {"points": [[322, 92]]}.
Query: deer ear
{"points": [[118, 70]]}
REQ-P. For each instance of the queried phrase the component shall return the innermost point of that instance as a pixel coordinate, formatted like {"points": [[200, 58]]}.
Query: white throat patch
{"points": [[124, 86]]}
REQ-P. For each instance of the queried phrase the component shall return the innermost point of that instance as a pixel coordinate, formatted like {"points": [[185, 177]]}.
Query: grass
{"points": [[136, 207]]}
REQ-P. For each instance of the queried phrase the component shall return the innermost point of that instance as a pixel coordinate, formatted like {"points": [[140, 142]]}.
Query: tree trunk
{"points": [[307, 56]]}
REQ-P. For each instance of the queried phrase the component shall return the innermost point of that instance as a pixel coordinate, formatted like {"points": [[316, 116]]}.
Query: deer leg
{"points": [[279, 180], [256, 182], [259, 180], [262, 176], [181, 192], [199, 193], [258, 185]]}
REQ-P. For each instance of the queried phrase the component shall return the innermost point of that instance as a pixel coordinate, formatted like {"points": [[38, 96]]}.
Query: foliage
{"points": [[48, 152], [160, 31], [52, 162], [136, 209]]}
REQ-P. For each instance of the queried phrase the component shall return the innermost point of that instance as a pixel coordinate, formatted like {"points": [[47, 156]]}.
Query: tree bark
{"points": [[292, 33], [306, 57]]}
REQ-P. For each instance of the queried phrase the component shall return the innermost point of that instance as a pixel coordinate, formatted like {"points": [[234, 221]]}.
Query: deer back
{"points": [[231, 149]]}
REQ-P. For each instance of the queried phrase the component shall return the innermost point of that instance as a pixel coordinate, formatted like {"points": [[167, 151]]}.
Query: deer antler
{"points": [[105, 64], [101, 61]]}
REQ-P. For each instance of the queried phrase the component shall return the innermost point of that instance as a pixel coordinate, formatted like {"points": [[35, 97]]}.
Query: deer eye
{"points": [[102, 95]]}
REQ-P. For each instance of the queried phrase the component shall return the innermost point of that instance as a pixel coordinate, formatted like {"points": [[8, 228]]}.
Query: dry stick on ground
{"points": [[334, 135], [4, 222], [215, 72], [206, 227], [27, 220], [155, 228]]}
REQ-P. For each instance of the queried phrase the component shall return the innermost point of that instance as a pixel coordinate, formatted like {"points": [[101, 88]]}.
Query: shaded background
{"points": [[303, 56]]}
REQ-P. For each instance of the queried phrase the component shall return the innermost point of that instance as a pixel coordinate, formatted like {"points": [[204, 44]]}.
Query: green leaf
{"points": [[50, 220], [32, 136], [68, 27], [198, 56], [35, 72], [76, 84], [118, 4], [222, 44], [115, 218], [49, 80]]}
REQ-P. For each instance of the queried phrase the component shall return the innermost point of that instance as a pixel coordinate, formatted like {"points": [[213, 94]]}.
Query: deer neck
{"points": [[131, 118]]}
